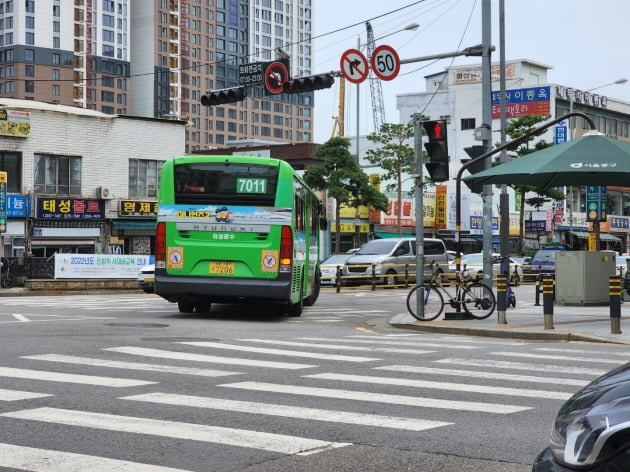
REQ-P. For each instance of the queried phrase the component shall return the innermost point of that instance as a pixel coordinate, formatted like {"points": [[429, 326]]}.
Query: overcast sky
{"points": [[585, 41]]}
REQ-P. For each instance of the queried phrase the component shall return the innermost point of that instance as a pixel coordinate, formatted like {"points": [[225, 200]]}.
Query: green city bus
{"points": [[234, 229]]}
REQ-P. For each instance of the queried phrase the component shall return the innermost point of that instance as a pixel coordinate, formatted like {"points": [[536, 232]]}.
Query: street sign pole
{"points": [[417, 145]]}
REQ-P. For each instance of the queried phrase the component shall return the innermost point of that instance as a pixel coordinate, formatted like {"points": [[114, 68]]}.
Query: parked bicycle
{"points": [[473, 296], [7, 277]]}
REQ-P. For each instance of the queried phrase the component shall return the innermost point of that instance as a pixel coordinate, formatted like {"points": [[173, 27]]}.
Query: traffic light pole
{"points": [[417, 146]]}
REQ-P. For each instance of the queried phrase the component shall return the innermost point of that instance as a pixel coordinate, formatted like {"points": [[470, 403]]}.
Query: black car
{"points": [[592, 429]]}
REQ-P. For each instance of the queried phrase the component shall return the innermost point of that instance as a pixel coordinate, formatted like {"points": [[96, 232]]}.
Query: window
{"points": [[57, 175], [29, 86], [29, 22], [108, 36], [30, 6], [55, 90], [29, 55], [29, 70], [11, 163], [143, 177], [468, 123]]}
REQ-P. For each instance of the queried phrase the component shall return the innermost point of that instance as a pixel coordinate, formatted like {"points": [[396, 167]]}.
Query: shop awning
{"points": [[134, 224], [602, 236]]}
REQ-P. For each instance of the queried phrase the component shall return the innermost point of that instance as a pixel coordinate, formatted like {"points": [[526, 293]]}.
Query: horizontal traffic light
{"points": [[308, 84], [223, 96]]}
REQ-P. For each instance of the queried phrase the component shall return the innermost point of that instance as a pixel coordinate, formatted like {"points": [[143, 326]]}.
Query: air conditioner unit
{"points": [[104, 193]]}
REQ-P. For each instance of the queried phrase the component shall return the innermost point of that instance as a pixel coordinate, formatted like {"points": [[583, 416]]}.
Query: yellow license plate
{"points": [[222, 267], [149, 279]]}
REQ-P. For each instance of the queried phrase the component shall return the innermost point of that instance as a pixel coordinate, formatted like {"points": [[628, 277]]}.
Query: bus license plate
{"points": [[222, 267]]}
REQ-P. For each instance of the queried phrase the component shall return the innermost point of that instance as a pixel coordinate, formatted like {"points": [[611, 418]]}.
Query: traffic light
{"points": [[474, 152], [437, 147], [308, 84], [223, 96]]}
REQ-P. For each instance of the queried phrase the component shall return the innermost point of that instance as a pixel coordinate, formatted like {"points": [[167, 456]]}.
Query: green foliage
{"points": [[393, 155]]}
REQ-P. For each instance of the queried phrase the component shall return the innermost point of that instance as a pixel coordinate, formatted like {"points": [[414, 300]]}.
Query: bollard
{"points": [[373, 277], [406, 275], [547, 290], [614, 291], [538, 278], [501, 298], [338, 280]]}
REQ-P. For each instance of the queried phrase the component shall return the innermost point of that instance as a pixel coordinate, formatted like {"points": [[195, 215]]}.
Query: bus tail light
{"points": [[286, 249], [160, 246]]}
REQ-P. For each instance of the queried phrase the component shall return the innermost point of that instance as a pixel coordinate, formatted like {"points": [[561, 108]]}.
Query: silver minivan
{"points": [[391, 258]]}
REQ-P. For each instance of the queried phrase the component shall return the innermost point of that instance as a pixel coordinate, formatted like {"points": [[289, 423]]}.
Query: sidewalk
{"points": [[527, 321]]}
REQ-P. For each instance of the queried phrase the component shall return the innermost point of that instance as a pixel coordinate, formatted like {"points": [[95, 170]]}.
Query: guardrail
{"points": [[404, 275]]}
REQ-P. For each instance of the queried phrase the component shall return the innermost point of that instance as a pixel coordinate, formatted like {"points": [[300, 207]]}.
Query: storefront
{"points": [[133, 232]]}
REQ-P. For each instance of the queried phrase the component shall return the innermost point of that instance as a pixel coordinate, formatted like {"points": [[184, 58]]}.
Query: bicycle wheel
{"points": [[8, 280], [433, 303], [478, 300]]}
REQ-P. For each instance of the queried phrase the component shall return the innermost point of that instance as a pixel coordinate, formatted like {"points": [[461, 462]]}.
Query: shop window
{"points": [[11, 163]]}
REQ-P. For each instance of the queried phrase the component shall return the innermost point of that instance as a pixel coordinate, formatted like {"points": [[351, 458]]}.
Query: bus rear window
{"points": [[226, 183]]}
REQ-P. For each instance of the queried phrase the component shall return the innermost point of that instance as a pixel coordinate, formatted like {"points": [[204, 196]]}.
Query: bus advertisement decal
{"points": [[269, 260], [238, 214], [175, 257]]}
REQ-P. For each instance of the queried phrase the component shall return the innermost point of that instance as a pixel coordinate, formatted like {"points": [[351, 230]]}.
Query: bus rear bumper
{"points": [[222, 288]]}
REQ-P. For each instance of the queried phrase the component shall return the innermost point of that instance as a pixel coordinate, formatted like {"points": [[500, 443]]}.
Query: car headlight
{"points": [[593, 425]]}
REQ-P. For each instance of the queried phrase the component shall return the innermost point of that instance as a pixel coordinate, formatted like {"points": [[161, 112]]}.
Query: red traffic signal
{"points": [[437, 148]]}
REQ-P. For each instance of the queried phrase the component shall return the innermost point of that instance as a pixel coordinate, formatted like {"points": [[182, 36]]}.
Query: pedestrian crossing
{"points": [[283, 400]]}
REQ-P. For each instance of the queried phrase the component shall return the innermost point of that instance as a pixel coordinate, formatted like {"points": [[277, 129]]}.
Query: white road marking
{"points": [[457, 387], [172, 429], [46, 460], [131, 365], [70, 378], [338, 346], [15, 395], [421, 402], [396, 343], [280, 352], [288, 411], [174, 355], [481, 375], [584, 351], [557, 358], [457, 361]]}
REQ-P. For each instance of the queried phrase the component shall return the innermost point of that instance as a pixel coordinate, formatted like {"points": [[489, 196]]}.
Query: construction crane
{"points": [[378, 106], [339, 120]]}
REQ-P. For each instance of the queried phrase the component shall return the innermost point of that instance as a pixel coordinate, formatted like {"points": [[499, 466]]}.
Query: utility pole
{"points": [[486, 142]]}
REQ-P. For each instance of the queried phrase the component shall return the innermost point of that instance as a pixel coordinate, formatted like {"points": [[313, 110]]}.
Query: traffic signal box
{"points": [[308, 84], [437, 148], [474, 152], [223, 96]]}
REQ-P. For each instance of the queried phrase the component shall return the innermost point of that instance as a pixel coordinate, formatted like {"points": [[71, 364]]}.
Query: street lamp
{"points": [[571, 101]]}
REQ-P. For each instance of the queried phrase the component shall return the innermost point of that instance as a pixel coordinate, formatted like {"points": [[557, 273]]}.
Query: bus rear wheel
{"points": [[295, 309], [185, 305]]}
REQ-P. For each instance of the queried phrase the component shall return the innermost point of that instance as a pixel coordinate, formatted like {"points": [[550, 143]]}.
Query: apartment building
{"points": [[155, 58]]}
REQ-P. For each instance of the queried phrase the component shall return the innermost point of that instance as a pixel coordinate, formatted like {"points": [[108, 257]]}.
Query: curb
{"points": [[503, 333]]}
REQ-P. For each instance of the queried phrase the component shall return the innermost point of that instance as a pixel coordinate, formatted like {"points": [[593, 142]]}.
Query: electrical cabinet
{"points": [[582, 278]]}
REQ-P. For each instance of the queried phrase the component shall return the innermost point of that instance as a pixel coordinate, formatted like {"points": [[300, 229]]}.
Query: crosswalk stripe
{"points": [[337, 346], [281, 352], [557, 358], [288, 411], [131, 365], [378, 397], [458, 387], [47, 460], [459, 361], [584, 351], [70, 378], [162, 354], [16, 395], [397, 343], [172, 429], [421, 338], [481, 375]]}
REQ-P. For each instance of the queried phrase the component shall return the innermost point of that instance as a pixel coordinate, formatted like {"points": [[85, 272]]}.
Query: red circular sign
{"points": [[385, 62], [276, 74], [354, 66]]}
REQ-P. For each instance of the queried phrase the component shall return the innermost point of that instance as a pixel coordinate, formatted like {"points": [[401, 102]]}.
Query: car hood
{"points": [[367, 258]]}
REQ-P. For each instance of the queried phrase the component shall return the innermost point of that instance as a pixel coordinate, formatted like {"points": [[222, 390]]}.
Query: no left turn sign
{"points": [[385, 62], [354, 66]]}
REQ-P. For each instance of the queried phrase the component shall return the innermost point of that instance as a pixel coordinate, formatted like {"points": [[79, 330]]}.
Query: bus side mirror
{"points": [[323, 224]]}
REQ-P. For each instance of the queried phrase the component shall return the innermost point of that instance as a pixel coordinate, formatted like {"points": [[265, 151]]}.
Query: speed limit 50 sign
{"points": [[385, 62]]}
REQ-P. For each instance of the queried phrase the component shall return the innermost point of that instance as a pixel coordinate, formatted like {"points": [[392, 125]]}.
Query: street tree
{"points": [[343, 179], [515, 129], [395, 156]]}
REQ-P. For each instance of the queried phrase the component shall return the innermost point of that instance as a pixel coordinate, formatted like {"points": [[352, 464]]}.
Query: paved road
{"points": [[126, 383]]}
